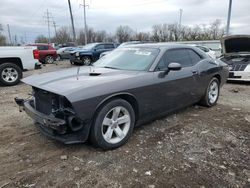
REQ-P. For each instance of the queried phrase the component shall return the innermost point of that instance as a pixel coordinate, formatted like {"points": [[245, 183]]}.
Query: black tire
{"points": [[86, 60], [96, 134], [59, 58], [205, 101], [49, 59], [12, 67]]}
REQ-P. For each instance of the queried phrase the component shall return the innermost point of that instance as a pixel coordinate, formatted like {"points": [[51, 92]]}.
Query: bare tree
{"points": [[41, 39], [142, 36], [2, 37], [123, 33], [62, 36]]}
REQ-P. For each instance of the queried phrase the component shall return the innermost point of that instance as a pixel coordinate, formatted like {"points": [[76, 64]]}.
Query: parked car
{"points": [[47, 54], [90, 53], [121, 45], [14, 60], [64, 53], [236, 53], [127, 88], [207, 50]]}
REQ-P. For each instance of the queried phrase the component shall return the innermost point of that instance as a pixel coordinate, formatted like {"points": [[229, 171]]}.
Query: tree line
{"points": [[3, 40], [158, 33]]}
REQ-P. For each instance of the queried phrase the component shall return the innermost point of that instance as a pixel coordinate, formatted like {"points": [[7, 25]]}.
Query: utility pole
{"points": [[229, 17], [48, 20], [180, 17], [72, 21], [9, 34], [85, 22], [54, 24]]}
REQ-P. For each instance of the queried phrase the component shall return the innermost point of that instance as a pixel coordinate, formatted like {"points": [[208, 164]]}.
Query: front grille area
{"points": [[238, 67], [43, 102]]}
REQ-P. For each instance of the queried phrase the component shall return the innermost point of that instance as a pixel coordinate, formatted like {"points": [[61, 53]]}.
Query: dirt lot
{"points": [[196, 147]]}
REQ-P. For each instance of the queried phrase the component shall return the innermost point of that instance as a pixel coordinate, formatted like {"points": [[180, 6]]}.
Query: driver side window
{"points": [[180, 56], [100, 47]]}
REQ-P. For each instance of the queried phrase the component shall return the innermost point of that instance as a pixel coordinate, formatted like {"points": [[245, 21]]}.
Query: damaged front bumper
{"points": [[52, 126]]}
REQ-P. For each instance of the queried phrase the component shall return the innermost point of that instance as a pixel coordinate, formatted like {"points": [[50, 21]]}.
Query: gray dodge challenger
{"points": [[128, 87]]}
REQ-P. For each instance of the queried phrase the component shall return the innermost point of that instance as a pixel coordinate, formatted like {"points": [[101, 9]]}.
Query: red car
{"points": [[47, 54]]}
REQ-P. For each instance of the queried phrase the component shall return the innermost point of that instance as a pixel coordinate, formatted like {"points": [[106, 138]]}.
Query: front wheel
{"points": [[10, 74], [212, 93], [113, 125], [86, 60]]}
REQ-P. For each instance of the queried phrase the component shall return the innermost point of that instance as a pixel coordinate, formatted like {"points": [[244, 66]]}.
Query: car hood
{"points": [[89, 81], [233, 44], [80, 50]]}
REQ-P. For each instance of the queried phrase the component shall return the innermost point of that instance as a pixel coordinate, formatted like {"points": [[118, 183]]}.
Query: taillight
{"points": [[36, 54]]}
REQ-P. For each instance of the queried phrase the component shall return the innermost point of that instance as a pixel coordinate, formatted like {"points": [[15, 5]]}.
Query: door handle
{"points": [[194, 72]]}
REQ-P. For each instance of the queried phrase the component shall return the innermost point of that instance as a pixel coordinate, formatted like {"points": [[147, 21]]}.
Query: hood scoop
{"points": [[94, 74]]}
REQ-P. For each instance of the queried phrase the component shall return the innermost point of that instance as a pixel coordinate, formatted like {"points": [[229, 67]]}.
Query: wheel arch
{"points": [[15, 60], [218, 77], [130, 98]]}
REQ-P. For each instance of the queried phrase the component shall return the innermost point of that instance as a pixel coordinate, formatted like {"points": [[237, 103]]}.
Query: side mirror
{"points": [[174, 66], [95, 49], [171, 67]]}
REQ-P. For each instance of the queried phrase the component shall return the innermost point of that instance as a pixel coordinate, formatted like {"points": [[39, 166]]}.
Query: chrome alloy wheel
{"points": [[116, 124], [213, 92], [9, 74]]}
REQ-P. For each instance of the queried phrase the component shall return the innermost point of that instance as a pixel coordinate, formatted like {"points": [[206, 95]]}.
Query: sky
{"points": [[26, 18]]}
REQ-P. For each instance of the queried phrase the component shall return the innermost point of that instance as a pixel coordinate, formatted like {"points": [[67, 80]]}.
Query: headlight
{"points": [[77, 53]]}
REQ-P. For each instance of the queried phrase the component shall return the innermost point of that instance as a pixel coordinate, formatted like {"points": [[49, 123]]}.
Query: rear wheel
{"points": [[212, 93], [49, 59], [10, 74], [113, 125]]}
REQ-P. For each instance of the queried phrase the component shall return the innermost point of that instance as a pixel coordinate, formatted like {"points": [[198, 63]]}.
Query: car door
{"points": [[66, 52], [98, 50], [177, 88]]}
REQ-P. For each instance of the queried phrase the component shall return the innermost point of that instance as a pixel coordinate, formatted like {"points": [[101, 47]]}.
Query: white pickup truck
{"points": [[14, 60]]}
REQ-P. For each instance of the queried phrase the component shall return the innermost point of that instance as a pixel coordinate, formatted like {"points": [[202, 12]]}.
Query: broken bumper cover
{"points": [[45, 120], [52, 126]]}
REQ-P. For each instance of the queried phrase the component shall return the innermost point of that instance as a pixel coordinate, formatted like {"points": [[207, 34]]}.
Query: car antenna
{"points": [[77, 73]]}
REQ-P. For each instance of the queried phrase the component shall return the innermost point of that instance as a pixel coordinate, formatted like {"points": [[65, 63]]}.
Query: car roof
{"points": [[39, 44], [161, 45]]}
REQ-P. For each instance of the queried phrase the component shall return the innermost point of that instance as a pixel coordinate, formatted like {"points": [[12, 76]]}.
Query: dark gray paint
{"points": [[155, 96]]}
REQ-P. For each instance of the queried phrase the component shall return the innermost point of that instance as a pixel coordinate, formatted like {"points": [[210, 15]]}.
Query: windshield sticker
{"points": [[142, 53]]}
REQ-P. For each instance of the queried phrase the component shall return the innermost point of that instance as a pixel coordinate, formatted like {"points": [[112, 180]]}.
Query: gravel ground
{"points": [[196, 147]]}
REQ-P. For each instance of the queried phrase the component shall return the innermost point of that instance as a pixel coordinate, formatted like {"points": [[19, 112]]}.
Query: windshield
{"points": [[129, 59]]}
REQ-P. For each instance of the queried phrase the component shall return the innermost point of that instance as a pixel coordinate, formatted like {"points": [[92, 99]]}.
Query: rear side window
{"points": [[109, 46], [178, 56], [42, 47], [195, 58]]}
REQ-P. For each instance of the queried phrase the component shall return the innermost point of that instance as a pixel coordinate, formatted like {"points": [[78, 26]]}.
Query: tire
{"points": [[59, 58], [109, 134], [10, 74], [86, 60], [212, 93], [49, 59]]}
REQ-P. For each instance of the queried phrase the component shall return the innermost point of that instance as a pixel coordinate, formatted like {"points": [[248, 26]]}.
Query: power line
{"points": [[85, 22]]}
